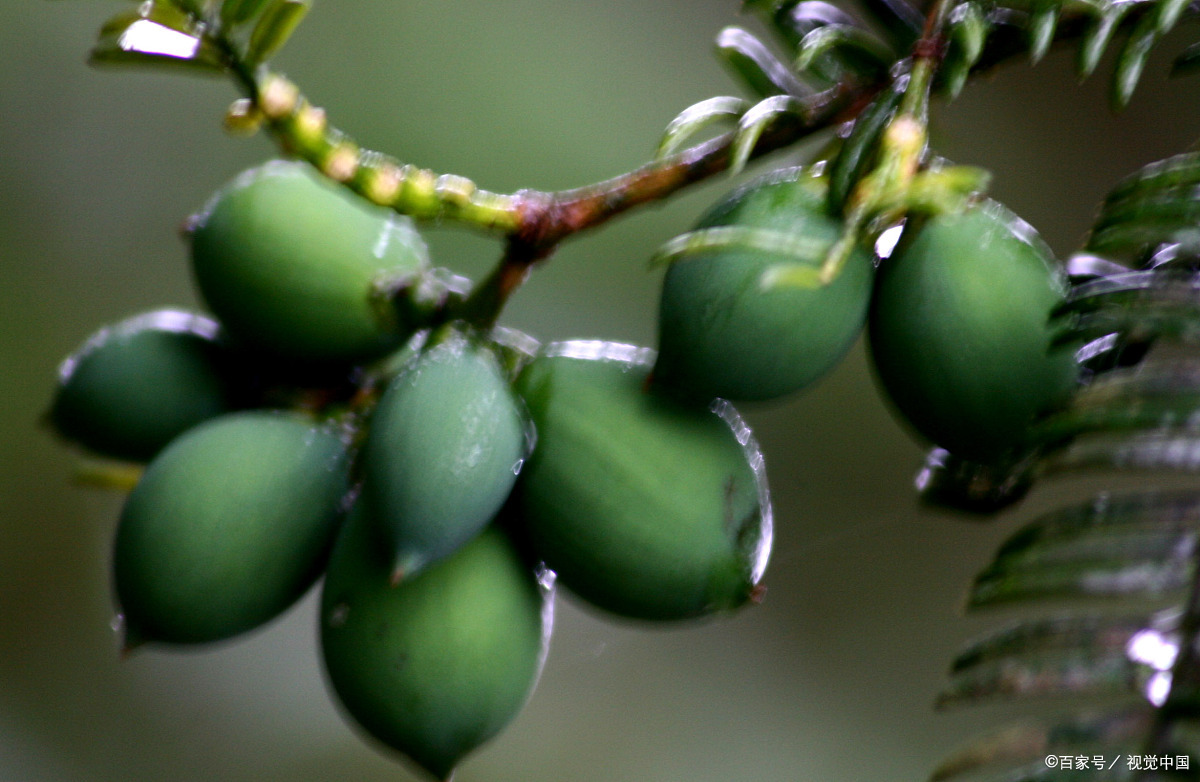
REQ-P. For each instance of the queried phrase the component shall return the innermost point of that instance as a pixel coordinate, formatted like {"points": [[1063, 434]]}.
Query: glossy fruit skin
{"points": [[135, 386], [442, 662], [290, 263], [959, 332], [645, 506], [446, 441], [230, 524], [722, 335]]}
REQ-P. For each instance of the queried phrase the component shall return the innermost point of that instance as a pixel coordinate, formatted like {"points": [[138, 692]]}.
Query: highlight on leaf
{"points": [[759, 70], [827, 59], [274, 28], [696, 118], [1132, 61], [1140, 543], [1098, 35], [157, 33], [1154, 207], [1070, 654], [860, 52], [755, 121], [966, 34]]}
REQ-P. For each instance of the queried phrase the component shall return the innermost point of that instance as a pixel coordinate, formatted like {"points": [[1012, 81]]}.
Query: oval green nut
{"points": [[442, 662], [230, 524], [446, 442], [135, 386], [959, 333], [722, 333], [645, 506], [299, 267]]}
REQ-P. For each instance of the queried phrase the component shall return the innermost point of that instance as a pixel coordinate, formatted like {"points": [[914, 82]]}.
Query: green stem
{"points": [[536, 222], [927, 57], [540, 220]]}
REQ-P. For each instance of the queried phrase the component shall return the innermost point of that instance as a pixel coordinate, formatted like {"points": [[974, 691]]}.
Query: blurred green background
{"points": [[832, 678]]}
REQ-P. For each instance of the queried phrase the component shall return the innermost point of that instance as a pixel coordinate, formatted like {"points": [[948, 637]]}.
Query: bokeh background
{"points": [[831, 678]]}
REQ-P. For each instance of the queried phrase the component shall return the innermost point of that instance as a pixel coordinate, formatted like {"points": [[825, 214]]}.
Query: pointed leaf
{"points": [[1161, 396], [1178, 171], [1111, 288], [757, 67], [1167, 14], [156, 34], [1123, 325], [1143, 235], [1132, 61], [1073, 654], [1043, 22], [858, 50], [1175, 206], [1097, 36], [953, 74], [967, 34], [793, 20], [1032, 742], [274, 28], [697, 117], [1168, 513], [968, 30], [235, 12], [1156, 451], [756, 120], [1145, 563]]}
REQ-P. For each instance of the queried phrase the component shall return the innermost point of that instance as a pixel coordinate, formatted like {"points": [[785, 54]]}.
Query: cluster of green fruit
{"points": [[957, 316], [335, 418]]}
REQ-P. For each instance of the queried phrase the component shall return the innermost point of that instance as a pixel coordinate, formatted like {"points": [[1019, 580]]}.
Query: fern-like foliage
{"points": [[822, 50], [1125, 565]]}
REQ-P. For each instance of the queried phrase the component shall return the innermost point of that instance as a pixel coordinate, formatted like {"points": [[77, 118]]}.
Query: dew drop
{"points": [[517, 465]]}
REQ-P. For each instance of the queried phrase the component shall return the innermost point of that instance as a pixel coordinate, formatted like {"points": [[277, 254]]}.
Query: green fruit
{"points": [[442, 662], [230, 524], [959, 331], [297, 266], [721, 334], [644, 506], [133, 387], [445, 444]]}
